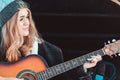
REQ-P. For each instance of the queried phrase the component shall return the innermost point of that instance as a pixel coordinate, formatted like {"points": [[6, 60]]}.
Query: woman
{"points": [[19, 37]]}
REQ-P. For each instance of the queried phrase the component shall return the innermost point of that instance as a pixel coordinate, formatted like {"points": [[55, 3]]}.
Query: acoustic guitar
{"points": [[33, 67]]}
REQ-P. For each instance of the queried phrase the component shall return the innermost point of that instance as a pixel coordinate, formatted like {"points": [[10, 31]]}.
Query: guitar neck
{"points": [[66, 66]]}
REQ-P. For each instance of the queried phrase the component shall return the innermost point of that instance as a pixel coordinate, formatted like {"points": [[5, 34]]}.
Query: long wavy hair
{"points": [[13, 43]]}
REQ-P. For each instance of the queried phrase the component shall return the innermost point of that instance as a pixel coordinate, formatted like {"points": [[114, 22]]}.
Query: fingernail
{"points": [[89, 59], [98, 55]]}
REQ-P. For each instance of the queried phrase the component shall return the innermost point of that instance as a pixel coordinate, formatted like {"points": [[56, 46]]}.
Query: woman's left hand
{"points": [[92, 61]]}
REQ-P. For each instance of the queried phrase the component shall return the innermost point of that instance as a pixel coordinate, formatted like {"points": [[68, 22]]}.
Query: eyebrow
{"points": [[24, 16]]}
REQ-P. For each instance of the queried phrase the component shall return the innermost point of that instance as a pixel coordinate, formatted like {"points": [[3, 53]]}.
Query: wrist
{"points": [[84, 68]]}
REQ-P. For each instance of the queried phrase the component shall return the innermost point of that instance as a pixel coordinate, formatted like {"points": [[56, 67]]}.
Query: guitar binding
{"points": [[26, 74]]}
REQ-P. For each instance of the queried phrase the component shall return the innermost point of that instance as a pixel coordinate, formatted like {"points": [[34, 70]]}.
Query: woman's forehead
{"points": [[23, 11]]}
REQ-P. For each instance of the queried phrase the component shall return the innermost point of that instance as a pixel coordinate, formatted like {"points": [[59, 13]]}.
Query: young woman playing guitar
{"points": [[25, 55]]}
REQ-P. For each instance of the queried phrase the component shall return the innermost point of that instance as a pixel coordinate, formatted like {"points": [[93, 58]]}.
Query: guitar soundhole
{"points": [[28, 76]]}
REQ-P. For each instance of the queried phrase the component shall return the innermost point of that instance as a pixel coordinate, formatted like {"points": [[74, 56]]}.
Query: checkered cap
{"points": [[8, 8]]}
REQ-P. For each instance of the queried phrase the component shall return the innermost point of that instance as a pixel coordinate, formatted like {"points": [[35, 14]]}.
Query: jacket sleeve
{"points": [[51, 53]]}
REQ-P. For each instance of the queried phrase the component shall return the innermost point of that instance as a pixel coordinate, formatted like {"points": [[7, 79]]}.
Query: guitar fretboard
{"points": [[66, 66]]}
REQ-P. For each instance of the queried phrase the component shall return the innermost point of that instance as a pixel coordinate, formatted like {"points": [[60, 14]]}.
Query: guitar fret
{"points": [[54, 70], [58, 70], [40, 75], [49, 72], [43, 75], [88, 56], [67, 65], [62, 68], [84, 58], [71, 64], [37, 77], [79, 62], [75, 62], [101, 52], [94, 53]]}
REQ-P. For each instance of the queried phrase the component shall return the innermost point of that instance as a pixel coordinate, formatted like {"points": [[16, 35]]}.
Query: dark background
{"points": [[78, 26]]}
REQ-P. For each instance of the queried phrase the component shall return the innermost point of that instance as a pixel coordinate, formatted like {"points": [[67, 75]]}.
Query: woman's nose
{"points": [[26, 22]]}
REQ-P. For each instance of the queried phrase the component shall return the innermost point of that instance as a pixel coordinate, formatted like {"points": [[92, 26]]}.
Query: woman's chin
{"points": [[26, 34]]}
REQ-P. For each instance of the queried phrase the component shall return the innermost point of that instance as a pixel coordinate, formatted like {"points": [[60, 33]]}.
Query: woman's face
{"points": [[23, 22]]}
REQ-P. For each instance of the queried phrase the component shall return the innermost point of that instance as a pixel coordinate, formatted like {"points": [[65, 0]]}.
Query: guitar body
{"points": [[23, 67]]}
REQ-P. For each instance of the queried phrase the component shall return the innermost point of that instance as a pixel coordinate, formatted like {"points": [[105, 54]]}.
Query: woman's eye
{"points": [[21, 19]]}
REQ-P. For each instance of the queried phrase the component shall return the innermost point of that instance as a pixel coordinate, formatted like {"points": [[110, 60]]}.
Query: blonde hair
{"points": [[13, 43]]}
